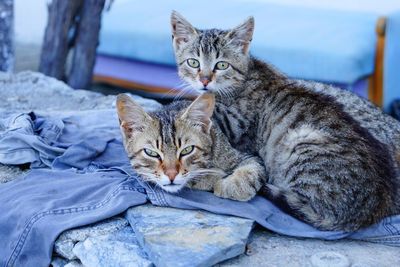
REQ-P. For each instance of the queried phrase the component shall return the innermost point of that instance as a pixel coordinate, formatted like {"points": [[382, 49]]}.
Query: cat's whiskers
{"points": [[173, 90], [225, 93], [147, 177], [183, 89], [183, 92]]}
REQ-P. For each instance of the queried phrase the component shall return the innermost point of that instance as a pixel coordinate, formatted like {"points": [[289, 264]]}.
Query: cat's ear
{"points": [[201, 111], [182, 30], [242, 35], [132, 116]]}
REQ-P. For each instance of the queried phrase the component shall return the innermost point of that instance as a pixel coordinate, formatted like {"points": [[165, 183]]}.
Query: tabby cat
{"points": [[179, 145], [323, 165]]}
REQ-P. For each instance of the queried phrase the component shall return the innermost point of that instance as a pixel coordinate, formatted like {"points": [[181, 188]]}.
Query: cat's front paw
{"points": [[232, 189], [201, 185], [205, 183]]}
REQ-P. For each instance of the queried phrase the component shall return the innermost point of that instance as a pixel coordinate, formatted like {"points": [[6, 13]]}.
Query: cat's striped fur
{"points": [[212, 164], [325, 163]]}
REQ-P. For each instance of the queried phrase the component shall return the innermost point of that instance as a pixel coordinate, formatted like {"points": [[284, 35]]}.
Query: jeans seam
{"points": [[151, 194], [163, 198], [38, 216], [383, 239], [387, 226], [14, 120], [393, 229], [160, 197], [55, 130], [15, 150]]}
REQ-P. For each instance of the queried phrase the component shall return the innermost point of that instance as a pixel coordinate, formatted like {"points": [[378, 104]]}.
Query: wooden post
{"points": [[87, 39], [6, 35], [72, 24], [57, 37], [376, 81]]}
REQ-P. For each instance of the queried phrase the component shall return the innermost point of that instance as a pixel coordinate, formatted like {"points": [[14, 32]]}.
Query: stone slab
{"points": [[173, 237], [119, 249]]}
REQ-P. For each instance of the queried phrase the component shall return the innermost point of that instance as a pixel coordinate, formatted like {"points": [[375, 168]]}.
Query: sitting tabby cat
{"points": [[179, 145], [323, 166]]}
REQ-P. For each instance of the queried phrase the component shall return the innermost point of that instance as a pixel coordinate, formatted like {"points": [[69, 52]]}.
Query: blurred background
{"points": [[125, 45]]}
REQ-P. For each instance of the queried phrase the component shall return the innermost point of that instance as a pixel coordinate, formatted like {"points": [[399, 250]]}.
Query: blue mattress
{"points": [[317, 44]]}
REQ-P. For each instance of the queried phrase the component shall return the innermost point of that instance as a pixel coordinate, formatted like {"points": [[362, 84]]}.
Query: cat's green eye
{"points": [[151, 153], [194, 63], [222, 65], [187, 150]]}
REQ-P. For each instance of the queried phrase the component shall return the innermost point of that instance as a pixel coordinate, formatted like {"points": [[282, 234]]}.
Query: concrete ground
{"points": [[269, 249]]}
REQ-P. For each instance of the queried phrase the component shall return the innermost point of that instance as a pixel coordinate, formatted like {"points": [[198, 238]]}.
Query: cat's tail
{"points": [[302, 208], [287, 201]]}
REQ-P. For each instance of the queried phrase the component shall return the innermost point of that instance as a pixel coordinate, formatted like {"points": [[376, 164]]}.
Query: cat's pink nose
{"points": [[205, 81], [171, 173]]}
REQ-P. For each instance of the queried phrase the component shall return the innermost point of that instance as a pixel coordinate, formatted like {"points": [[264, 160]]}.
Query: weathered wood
{"points": [[73, 25], [87, 39], [58, 37], [6, 35], [375, 93]]}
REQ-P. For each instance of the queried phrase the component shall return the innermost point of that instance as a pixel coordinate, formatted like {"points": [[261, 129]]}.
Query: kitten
{"points": [[323, 166], [179, 146]]}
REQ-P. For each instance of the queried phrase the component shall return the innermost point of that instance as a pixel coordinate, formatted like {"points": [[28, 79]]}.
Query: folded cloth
{"points": [[90, 179]]}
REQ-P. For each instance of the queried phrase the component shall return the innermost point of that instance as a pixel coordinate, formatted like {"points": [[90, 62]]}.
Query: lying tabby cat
{"points": [[323, 166], [179, 145]]}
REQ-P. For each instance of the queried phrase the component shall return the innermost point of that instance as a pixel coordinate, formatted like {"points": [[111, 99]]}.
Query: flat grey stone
{"points": [[8, 173], [66, 241], [64, 248], [60, 262], [73, 264], [119, 249], [173, 237]]}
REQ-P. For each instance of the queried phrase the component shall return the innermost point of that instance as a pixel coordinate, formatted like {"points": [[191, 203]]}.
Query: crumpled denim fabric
{"points": [[88, 178], [23, 141], [36, 208], [61, 140]]}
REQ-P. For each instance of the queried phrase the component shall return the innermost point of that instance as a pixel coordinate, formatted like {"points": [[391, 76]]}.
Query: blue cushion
{"points": [[306, 43]]}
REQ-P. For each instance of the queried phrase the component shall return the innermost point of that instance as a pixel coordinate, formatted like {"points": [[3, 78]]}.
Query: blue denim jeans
{"points": [[81, 175]]}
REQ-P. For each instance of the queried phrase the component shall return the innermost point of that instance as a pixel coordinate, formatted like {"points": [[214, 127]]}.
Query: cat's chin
{"points": [[201, 89], [209, 89], [172, 188]]}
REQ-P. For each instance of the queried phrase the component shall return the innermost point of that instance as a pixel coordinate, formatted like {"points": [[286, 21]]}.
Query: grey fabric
{"points": [[80, 175]]}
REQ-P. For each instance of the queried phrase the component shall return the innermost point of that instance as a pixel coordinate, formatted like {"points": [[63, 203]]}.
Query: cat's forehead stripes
{"points": [[208, 42], [166, 131], [211, 40], [179, 143], [158, 144]]}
